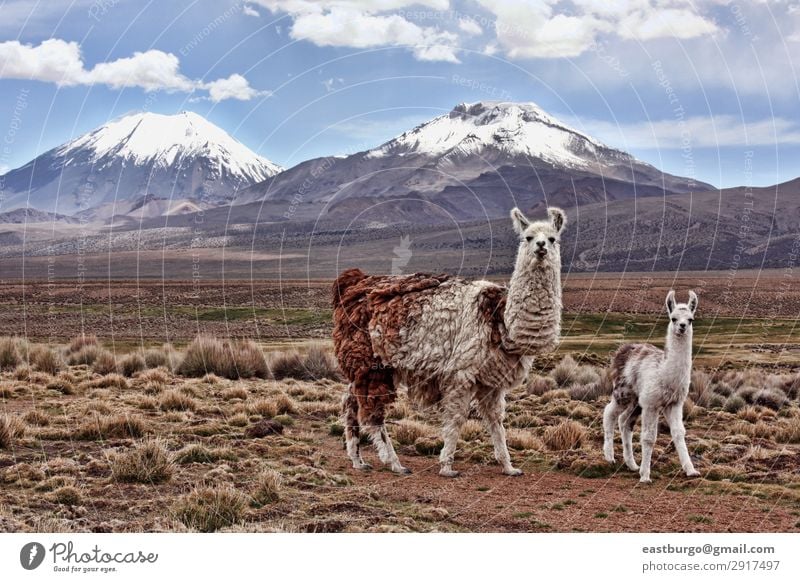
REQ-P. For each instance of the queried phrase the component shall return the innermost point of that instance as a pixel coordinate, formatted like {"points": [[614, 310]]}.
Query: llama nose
{"points": [[540, 244], [682, 326]]}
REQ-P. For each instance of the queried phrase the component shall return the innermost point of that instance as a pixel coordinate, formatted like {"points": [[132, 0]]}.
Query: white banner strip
{"points": [[389, 557]]}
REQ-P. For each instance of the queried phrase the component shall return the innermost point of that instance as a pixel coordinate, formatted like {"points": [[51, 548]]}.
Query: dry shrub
{"points": [[67, 495], [235, 393], [555, 395], [85, 356], [788, 431], [158, 376], [791, 387], [46, 359], [268, 487], [288, 365], [472, 430], [538, 385], [734, 404], [523, 440], [146, 402], [148, 462], [64, 383], [119, 426], [10, 356], [749, 413], [36, 417], [284, 404], [770, 397], [156, 358], [104, 363], [264, 407], [319, 363], [700, 388], [406, 432], [110, 381], [22, 373], [400, 409], [130, 364], [11, 428], [81, 341], [589, 392], [569, 434], [176, 400], [211, 379], [232, 360], [208, 509], [760, 430], [564, 371]]}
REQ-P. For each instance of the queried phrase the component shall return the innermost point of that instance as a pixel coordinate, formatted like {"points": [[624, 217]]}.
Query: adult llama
{"points": [[450, 341]]}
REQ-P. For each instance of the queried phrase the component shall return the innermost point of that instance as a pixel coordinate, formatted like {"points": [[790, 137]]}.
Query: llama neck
{"points": [[533, 307], [678, 354]]}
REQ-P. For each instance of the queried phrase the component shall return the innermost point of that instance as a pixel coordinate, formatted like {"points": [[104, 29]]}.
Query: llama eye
{"points": [[529, 238], [690, 321], [552, 239], [674, 320]]}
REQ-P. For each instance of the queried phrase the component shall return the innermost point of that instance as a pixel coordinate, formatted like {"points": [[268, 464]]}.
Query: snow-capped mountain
{"points": [[141, 156], [478, 160]]}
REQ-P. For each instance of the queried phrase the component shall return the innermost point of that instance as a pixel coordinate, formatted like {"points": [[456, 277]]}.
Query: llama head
{"points": [[681, 315], [539, 240]]}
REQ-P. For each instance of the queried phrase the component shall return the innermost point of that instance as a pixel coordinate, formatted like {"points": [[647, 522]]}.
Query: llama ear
{"points": [[693, 301], [557, 217], [670, 301], [519, 221]]}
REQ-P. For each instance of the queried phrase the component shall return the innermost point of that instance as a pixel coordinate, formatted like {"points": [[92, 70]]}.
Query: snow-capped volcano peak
{"points": [[145, 155], [514, 129], [163, 140]]}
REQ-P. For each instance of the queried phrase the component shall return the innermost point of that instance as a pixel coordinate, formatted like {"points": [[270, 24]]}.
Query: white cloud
{"points": [[330, 84], [234, 87], [365, 24], [538, 30], [60, 62], [248, 10], [469, 26], [699, 132]]}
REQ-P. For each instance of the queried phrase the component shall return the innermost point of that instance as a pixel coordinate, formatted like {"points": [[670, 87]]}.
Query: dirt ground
{"points": [[749, 483]]}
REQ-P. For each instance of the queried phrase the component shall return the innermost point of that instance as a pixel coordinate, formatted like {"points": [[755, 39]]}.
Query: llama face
{"points": [[540, 240], [681, 315]]}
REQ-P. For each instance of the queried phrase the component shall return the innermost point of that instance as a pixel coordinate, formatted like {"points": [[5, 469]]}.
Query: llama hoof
{"points": [[609, 458], [693, 473], [448, 473], [645, 480], [400, 470], [362, 466], [632, 466], [512, 472]]}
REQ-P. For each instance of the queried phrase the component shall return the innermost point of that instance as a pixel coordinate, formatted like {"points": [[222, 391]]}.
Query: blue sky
{"points": [[707, 88]]}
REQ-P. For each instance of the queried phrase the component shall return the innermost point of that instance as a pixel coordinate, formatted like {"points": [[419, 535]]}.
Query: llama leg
{"points": [[610, 414], [493, 413], [627, 421], [381, 394], [678, 432], [649, 433], [352, 430], [455, 410]]}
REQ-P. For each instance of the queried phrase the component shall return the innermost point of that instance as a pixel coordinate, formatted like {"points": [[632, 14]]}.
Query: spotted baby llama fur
{"points": [[450, 341], [649, 381]]}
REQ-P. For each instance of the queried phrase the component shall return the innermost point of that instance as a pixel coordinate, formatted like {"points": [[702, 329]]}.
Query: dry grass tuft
{"points": [[10, 356], [734, 404], [235, 393], [80, 342], [472, 430], [208, 509], [319, 363], [176, 400], [104, 363], [263, 406], [46, 359], [11, 428], [232, 360], [268, 487], [564, 371], [700, 388], [284, 404], [199, 453], [406, 432], [36, 417], [86, 356], [769, 397], [67, 495], [64, 383], [288, 365], [118, 426], [130, 364], [148, 462], [110, 381], [523, 440], [538, 385], [569, 434]]}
